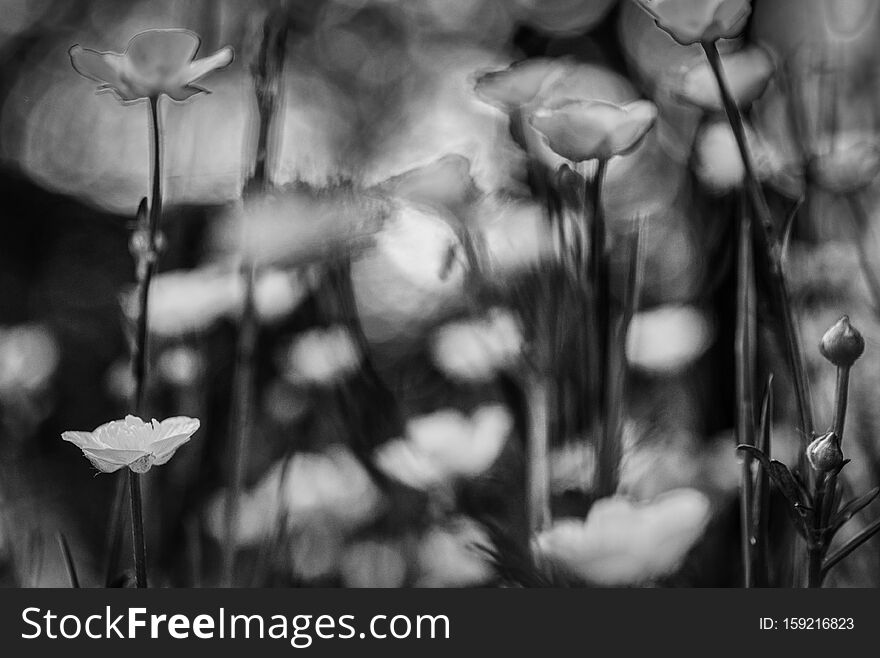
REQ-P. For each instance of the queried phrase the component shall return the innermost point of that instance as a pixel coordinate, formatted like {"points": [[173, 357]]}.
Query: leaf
{"points": [[794, 492], [852, 508], [788, 225], [850, 546], [68, 560]]}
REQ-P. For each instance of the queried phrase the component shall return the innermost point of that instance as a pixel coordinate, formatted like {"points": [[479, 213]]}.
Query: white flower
{"points": [[693, 21], [624, 543], [373, 563], [322, 356], [155, 62], [847, 162], [477, 349], [667, 339], [133, 443], [748, 71], [28, 358], [455, 555], [445, 445], [180, 365], [585, 129]]}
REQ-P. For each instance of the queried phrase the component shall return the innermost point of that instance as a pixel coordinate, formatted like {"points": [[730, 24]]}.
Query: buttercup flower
{"points": [[584, 130], [847, 163], [322, 356], [474, 350], [842, 344], [824, 453], [155, 62], [520, 83], [748, 71], [133, 443], [625, 543], [693, 21]]}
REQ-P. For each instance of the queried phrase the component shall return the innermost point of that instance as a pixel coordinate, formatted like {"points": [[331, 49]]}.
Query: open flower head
{"points": [[587, 130], [133, 443], [693, 21], [748, 71], [155, 62]]}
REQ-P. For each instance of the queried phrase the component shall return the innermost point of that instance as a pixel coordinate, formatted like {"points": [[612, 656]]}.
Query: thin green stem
{"points": [[771, 244], [841, 397], [537, 474], [816, 545]]}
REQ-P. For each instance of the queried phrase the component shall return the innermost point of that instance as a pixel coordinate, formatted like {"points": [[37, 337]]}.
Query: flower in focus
{"points": [[824, 453], [155, 62], [476, 349], [322, 356], [28, 358], [850, 162], [456, 555], [693, 21], [667, 339], [748, 71], [842, 344], [584, 130], [625, 543], [445, 445], [133, 443]]}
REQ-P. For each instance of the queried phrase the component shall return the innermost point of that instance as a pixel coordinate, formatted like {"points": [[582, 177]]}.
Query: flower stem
{"points": [[137, 528], [744, 356], [773, 253], [537, 474]]}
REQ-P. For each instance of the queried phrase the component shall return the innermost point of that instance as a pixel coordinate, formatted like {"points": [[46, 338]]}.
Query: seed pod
{"points": [[825, 454], [842, 344]]}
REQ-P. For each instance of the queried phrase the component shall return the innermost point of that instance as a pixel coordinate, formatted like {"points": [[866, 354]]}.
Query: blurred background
{"points": [[404, 273]]}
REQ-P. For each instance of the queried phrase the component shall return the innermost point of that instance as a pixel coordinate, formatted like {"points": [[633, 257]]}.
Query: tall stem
{"points": [[773, 253], [744, 357], [137, 528], [537, 473], [266, 72]]}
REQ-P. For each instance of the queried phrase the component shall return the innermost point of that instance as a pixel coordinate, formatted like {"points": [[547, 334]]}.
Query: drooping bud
{"points": [[825, 454], [842, 344]]}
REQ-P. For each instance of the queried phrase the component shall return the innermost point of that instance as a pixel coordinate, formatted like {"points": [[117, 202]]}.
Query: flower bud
{"points": [[842, 344], [825, 454]]}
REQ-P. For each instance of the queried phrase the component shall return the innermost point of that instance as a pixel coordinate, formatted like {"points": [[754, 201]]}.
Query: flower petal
{"points": [[174, 426], [103, 67], [108, 460], [166, 51], [202, 67]]}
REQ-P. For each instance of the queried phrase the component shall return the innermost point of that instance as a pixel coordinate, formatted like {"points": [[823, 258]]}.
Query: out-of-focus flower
{"points": [[133, 443], [667, 339], [748, 71], [322, 356], [330, 488], [373, 563], [520, 83], [477, 349], [563, 17], [571, 467], [445, 445], [585, 130], [299, 227], [455, 555], [28, 358], [847, 163], [842, 344], [119, 381], [155, 62], [180, 365], [185, 301], [693, 21], [514, 233], [625, 543], [445, 182], [719, 166]]}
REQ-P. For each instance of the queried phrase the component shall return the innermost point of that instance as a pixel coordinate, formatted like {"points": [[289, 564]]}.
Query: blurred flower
{"points": [[454, 555], [571, 467], [28, 358], [625, 543], [185, 301], [584, 130], [693, 21], [445, 445], [514, 234], [309, 490], [563, 17], [444, 182], [322, 356], [180, 365], [298, 227], [748, 71], [668, 339], [848, 162], [520, 83], [133, 443], [119, 380], [719, 166], [478, 348], [155, 62], [842, 344], [373, 563]]}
